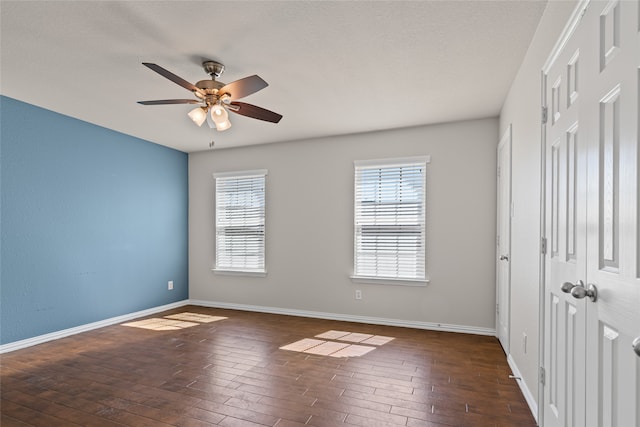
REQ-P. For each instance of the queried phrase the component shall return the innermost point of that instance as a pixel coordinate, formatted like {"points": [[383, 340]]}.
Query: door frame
{"points": [[506, 140], [543, 245]]}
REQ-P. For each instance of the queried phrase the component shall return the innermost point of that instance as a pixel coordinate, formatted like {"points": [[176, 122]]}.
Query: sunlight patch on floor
{"points": [[159, 324], [302, 345], [327, 348], [333, 335], [195, 317], [174, 322], [341, 344], [353, 350], [377, 340]]}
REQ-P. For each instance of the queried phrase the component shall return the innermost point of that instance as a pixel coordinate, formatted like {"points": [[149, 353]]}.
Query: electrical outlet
{"points": [[524, 343], [358, 294], [170, 285]]}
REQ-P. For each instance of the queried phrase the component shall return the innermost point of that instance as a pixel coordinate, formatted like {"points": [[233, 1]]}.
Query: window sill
{"points": [[251, 273], [389, 281]]}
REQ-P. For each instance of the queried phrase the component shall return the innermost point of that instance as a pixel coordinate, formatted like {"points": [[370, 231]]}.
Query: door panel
{"points": [[613, 320], [565, 221]]}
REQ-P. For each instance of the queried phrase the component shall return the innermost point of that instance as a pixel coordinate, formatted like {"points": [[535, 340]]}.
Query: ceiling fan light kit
{"points": [[198, 115], [216, 98], [220, 117]]}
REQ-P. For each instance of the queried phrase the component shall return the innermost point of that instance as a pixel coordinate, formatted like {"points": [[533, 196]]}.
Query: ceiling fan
{"points": [[216, 97]]}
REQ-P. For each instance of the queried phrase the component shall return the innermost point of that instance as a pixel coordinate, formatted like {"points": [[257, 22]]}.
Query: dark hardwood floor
{"points": [[229, 370]]}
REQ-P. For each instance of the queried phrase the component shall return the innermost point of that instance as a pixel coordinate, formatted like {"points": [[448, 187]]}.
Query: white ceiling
{"points": [[333, 67]]}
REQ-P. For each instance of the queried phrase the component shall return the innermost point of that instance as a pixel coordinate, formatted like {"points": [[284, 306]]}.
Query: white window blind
{"points": [[390, 220], [240, 231]]}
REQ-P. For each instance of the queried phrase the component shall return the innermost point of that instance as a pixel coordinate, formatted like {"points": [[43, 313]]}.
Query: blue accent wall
{"points": [[94, 223]]}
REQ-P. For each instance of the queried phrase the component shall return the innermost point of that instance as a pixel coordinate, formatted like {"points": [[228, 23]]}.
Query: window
{"points": [[240, 206], [390, 219]]}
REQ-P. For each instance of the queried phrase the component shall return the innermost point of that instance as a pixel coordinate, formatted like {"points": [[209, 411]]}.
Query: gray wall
{"points": [[309, 226]]}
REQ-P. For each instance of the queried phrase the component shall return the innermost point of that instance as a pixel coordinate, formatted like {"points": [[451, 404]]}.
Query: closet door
{"points": [[613, 270], [566, 256], [592, 283]]}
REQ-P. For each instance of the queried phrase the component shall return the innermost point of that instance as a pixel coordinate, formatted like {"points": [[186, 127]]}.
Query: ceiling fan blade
{"points": [[169, 101], [176, 79], [254, 112], [243, 87]]}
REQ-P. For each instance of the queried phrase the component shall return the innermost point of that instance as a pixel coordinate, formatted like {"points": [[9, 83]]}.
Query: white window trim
{"points": [[387, 162], [241, 174], [389, 281], [243, 272], [398, 161], [233, 272]]}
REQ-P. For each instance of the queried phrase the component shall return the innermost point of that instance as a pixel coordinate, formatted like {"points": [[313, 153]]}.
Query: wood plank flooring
{"points": [[193, 370]]}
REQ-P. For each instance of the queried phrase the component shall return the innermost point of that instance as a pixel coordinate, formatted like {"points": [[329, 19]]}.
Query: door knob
{"points": [[636, 346], [504, 257], [568, 286], [580, 292]]}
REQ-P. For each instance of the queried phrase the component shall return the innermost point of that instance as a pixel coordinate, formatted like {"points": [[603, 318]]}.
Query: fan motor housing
{"points": [[209, 86]]}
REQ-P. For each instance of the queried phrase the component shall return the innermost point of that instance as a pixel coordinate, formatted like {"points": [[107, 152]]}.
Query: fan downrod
{"points": [[213, 68]]}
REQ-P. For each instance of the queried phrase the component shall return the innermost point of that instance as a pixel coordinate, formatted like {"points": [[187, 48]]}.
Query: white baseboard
{"points": [[17, 345], [349, 318], [531, 401]]}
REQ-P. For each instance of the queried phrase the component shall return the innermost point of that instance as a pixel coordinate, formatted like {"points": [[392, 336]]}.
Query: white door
{"points": [[503, 240], [565, 221], [613, 267], [592, 373]]}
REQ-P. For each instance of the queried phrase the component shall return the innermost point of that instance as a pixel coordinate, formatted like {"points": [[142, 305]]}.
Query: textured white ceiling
{"points": [[333, 67]]}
